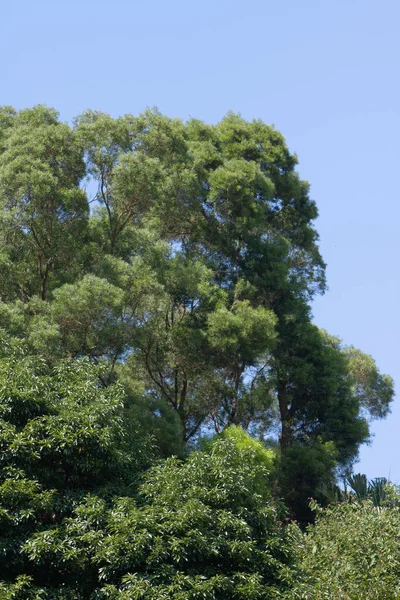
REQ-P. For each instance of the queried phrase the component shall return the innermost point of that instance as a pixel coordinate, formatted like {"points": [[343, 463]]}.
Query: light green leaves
{"points": [[205, 528], [352, 552], [239, 190], [373, 389], [244, 332], [90, 315], [43, 211]]}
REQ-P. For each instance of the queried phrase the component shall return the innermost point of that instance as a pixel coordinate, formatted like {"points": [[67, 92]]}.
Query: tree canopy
{"points": [[191, 274], [163, 386]]}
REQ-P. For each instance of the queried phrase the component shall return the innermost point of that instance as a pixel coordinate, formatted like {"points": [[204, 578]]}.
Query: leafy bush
{"points": [[204, 528], [353, 552], [61, 436]]}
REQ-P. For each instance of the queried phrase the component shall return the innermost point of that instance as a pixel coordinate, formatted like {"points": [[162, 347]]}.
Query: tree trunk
{"points": [[285, 416]]}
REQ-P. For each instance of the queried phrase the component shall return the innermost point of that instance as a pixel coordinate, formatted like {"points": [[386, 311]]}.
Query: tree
{"points": [[189, 282], [227, 196], [327, 395], [246, 219], [197, 529]]}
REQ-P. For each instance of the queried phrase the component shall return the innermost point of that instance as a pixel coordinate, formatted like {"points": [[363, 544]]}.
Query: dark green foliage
{"points": [[305, 471], [61, 436]]}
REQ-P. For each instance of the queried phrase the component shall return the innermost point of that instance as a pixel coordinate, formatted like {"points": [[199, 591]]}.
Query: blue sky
{"points": [[325, 73]]}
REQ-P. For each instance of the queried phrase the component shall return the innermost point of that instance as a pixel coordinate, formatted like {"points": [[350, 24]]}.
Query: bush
{"points": [[204, 528], [352, 552], [61, 436]]}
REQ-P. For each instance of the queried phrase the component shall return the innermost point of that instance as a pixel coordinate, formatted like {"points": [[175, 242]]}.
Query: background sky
{"points": [[325, 73]]}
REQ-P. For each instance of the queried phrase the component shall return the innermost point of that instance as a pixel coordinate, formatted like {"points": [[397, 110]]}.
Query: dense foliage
{"points": [[352, 552], [62, 436], [75, 524], [155, 287]]}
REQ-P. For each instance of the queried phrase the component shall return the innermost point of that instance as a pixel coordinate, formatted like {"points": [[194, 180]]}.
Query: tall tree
{"points": [[327, 394], [190, 280]]}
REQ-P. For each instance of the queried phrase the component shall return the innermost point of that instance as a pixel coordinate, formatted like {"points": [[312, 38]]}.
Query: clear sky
{"points": [[326, 73]]}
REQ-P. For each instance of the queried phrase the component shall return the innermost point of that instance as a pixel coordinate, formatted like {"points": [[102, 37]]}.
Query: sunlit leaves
{"points": [[43, 211], [202, 528], [352, 552]]}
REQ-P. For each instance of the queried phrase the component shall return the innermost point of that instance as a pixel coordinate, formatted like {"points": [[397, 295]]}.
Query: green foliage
{"points": [[61, 435], [203, 528], [375, 490], [189, 280], [352, 552], [243, 331], [90, 316], [359, 485], [322, 413], [304, 473], [43, 211], [249, 448], [176, 308], [374, 390]]}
